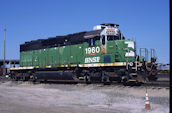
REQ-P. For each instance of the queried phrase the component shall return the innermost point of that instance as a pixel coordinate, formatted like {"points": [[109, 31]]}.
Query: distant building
{"points": [[8, 63]]}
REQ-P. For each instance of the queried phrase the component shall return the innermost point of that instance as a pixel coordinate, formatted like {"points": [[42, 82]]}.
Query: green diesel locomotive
{"points": [[101, 55]]}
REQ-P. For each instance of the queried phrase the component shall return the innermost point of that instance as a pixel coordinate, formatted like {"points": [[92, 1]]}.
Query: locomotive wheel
{"points": [[124, 83], [119, 80], [105, 80], [33, 78], [74, 76], [16, 78], [131, 83], [23, 78], [128, 83], [12, 77], [87, 79]]}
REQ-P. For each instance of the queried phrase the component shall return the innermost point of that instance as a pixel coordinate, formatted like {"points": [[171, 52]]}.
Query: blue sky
{"points": [[146, 21]]}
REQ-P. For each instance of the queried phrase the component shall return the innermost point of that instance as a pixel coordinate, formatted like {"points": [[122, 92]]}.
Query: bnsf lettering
{"points": [[92, 60], [92, 50]]}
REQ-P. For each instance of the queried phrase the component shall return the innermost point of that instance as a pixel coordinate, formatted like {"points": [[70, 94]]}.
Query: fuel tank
{"points": [[54, 75]]}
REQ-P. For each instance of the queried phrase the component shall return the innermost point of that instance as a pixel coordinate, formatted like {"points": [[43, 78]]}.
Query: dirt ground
{"points": [[26, 97]]}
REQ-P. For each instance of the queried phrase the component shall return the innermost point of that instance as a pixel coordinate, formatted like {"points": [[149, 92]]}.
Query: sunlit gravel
{"points": [[25, 97]]}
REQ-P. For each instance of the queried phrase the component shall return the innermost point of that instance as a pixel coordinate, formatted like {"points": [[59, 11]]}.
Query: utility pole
{"points": [[4, 66]]}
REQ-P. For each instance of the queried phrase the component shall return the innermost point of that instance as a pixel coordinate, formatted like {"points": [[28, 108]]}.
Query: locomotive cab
{"points": [[108, 43], [108, 48]]}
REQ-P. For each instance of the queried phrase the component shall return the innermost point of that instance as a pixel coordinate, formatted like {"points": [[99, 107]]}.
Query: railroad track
{"points": [[157, 84], [150, 85]]}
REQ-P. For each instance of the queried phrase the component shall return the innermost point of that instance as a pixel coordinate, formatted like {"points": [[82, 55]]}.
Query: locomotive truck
{"points": [[101, 55]]}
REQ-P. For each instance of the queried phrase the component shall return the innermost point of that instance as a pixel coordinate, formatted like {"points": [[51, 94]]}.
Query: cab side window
{"points": [[94, 42], [109, 38], [91, 42], [103, 40]]}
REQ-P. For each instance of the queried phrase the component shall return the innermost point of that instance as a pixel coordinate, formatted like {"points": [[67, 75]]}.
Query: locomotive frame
{"points": [[101, 55]]}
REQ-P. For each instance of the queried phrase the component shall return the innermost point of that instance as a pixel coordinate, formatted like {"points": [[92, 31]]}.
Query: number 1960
{"points": [[92, 50]]}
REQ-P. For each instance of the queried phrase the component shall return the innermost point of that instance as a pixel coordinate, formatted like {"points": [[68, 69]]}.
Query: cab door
{"points": [[103, 44]]}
